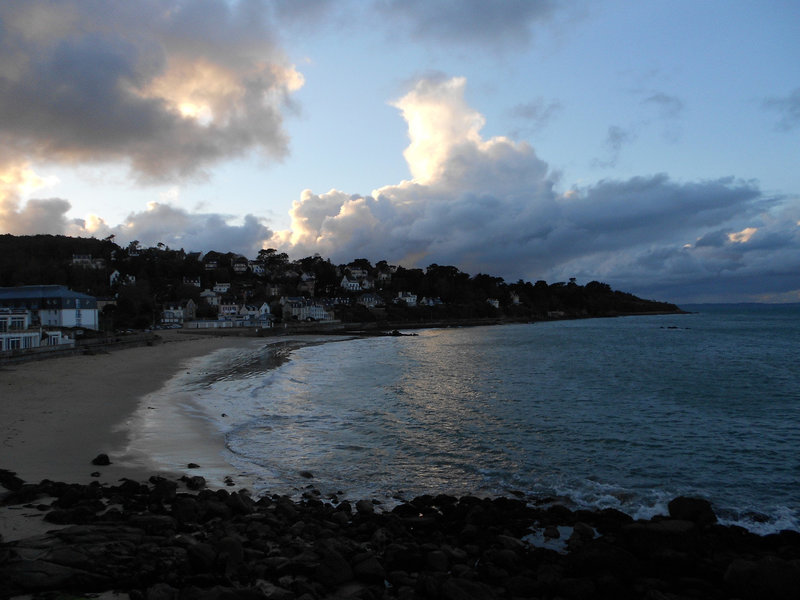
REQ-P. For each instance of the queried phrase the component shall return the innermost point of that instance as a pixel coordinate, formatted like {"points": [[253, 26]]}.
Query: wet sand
{"points": [[56, 415]]}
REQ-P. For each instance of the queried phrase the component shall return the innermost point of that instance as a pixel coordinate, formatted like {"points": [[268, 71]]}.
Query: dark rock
{"points": [[333, 569], [369, 570], [437, 560], [192, 465], [456, 588], [9, 480], [196, 482], [696, 510], [101, 460], [769, 577], [365, 507], [306, 474]]}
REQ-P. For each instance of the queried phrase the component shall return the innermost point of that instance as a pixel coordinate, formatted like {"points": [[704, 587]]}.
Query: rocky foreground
{"points": [[165, 540]]}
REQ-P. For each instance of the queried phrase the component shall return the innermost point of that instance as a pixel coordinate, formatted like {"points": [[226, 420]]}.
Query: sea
{"points": [[624, 412]]}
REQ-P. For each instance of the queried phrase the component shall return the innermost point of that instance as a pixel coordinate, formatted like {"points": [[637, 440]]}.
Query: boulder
{"points": [[696, 510], [101, 460]]}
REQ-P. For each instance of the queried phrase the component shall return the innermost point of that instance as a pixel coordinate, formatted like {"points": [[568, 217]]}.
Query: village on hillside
{"points": [[54, 289]]}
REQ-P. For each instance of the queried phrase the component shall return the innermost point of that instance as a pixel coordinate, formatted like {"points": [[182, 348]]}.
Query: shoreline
{"points": [[57, 415]]}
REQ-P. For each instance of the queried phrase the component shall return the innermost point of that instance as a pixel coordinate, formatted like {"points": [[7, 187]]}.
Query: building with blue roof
{"points": [[52, 305]]}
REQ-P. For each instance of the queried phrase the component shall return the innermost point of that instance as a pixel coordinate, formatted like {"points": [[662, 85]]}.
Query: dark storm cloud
{"points": [[169, 87], [498, 23], [788, 108]]}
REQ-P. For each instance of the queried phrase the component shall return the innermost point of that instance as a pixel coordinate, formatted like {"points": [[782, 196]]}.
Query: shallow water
{"points": [[625, 412]]}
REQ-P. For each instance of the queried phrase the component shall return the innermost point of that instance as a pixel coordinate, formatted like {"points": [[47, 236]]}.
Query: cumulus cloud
{"points": [[496, 23], [788, 108], [159, 222], [489, 205], [179, 228], [167, 87]]}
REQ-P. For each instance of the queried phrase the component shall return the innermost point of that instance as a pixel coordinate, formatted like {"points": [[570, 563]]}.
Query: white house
{"points": [[370, 300], [407, 297], [222, 288], [118, 278], [350, 285], [493, 302], [17, 332], [303, 309], [228, 310], [210, 297], [53, 305]]}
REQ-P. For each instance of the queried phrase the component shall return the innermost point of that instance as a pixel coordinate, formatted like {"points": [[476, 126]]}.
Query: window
{"points": [[14, 343], [17, 323], [3, 325]]}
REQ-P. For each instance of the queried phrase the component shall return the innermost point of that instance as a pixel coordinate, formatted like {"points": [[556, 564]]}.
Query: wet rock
{"points": [[370, 570], [332, 570], [365, 507], [101, 460], [696, 510], [456, 588]]}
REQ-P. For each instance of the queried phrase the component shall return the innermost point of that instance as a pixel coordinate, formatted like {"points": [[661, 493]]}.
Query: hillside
{"points": [[142, 281]]}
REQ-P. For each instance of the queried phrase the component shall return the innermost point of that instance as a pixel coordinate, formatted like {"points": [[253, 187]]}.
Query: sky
{"points": [[654, 146]]}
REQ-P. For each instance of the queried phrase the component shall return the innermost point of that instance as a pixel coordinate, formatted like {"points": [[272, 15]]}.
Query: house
{"points": [[514, 298], [210, 265], [493, 302], [430, 302], [210, 297], [222, 288], [257, 267], [52, 305], [370, 300], [172, 314], [407, 297], [303, 309], [194, 281], [18, 333], [259, 315], [350, 285], [117, 278], [87, 262], [241, 265], [228, 310], [358, 273], [367, 283]]}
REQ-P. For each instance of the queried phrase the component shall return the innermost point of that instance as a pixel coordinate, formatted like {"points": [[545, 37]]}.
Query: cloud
{"points": [[495, 23], [160, 222], [536, 114], [489, 205], [669, 107], [616, 138], [168, 87], [788, 108]]}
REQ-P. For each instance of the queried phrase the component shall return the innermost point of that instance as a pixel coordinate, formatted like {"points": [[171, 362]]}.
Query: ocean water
{"points": [[624, 412]]}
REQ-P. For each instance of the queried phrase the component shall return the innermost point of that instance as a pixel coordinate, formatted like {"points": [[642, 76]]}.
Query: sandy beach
{"points": [[56, 415]]}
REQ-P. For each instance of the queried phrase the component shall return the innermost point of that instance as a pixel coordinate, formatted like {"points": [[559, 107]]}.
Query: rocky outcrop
{"points": [[163, 540]]}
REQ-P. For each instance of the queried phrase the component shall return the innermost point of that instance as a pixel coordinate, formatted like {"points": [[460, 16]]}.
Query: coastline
{"points": [[57, 415]]}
